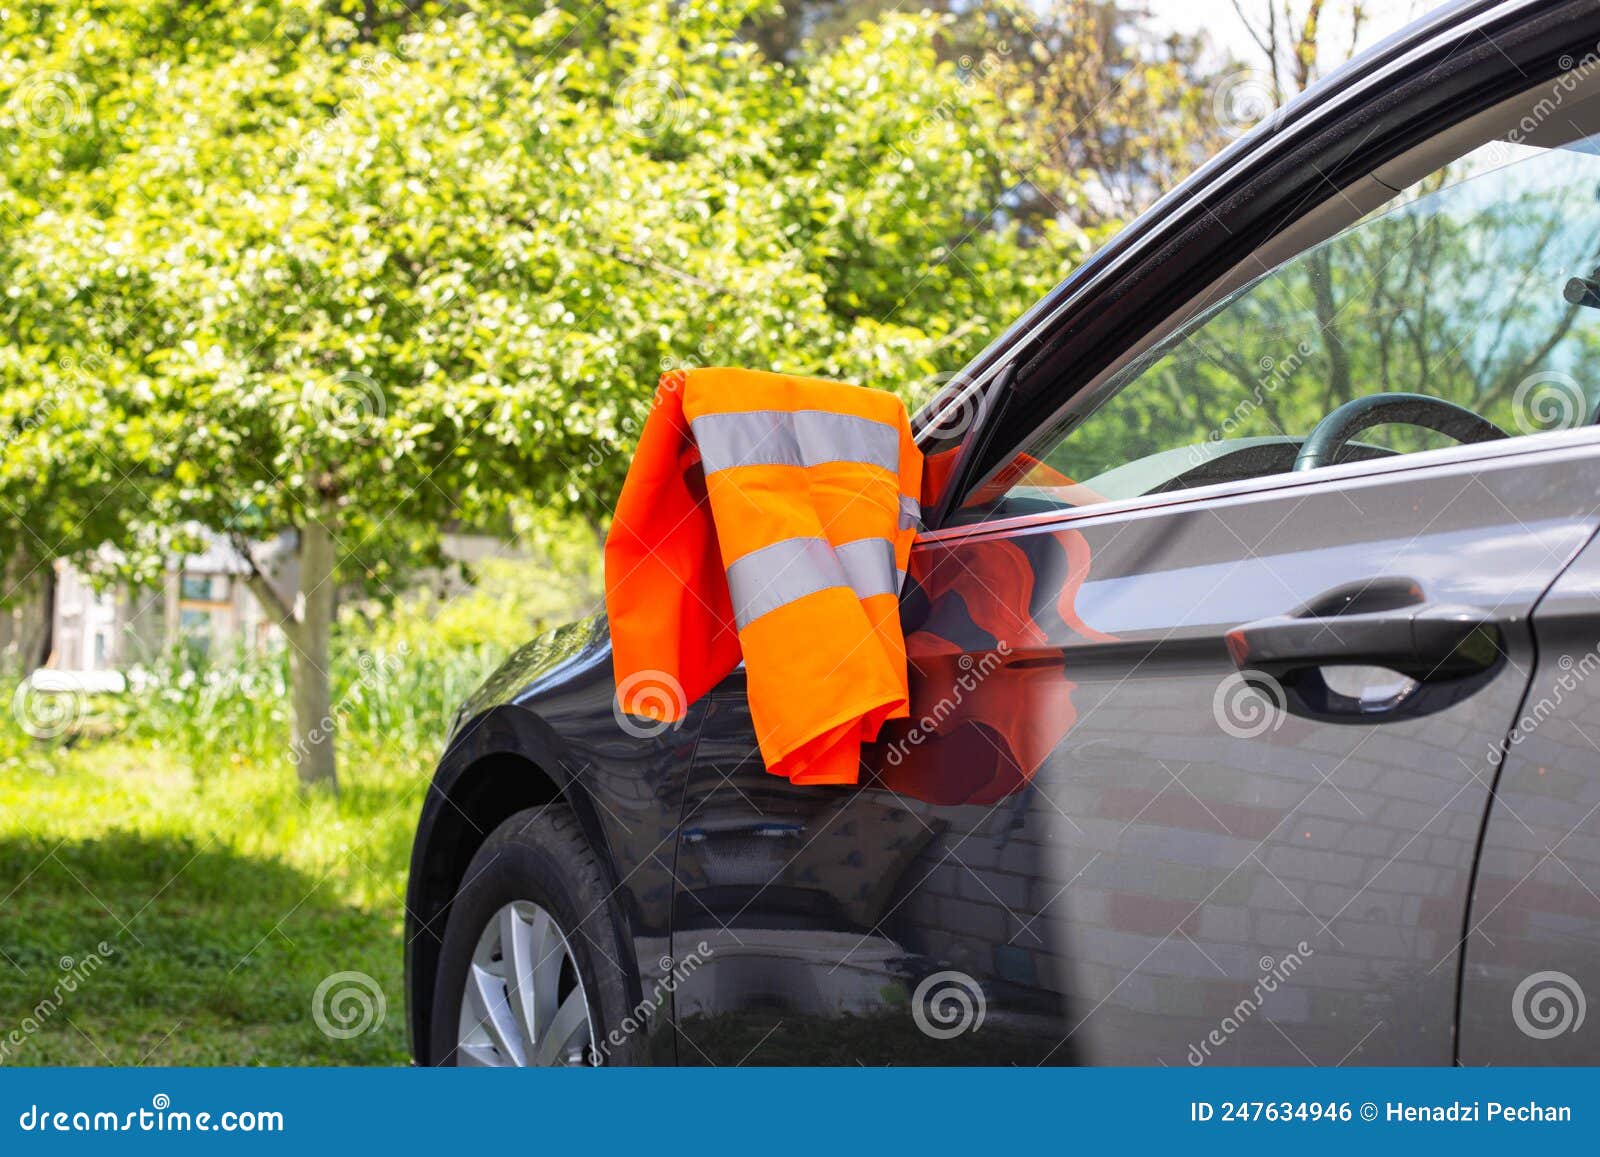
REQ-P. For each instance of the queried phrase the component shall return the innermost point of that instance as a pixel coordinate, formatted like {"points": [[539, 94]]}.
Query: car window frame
{"points": [[1417, 87], [1578, 443]]}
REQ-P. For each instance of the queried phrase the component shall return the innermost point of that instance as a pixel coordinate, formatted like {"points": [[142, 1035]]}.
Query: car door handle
{"points": [[1444, 652], [1429, 644]]}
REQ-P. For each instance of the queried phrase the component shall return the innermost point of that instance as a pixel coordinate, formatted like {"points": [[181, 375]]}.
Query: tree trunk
{"points": [[27, 623], [312, 690], [47, 615]]}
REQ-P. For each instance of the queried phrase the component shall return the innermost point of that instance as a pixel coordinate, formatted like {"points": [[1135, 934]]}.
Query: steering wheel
{"points": [[1322, 445]]}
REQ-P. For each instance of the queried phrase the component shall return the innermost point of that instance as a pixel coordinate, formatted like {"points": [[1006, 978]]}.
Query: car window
{"points": [[1476, 289]]}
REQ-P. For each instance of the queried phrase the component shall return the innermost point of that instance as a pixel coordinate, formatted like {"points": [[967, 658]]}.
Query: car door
{"points": [[1532, 964], [1098, 834], [1209, 683]]}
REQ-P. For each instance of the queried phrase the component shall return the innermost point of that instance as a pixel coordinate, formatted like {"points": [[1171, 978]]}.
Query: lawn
{"points": [[171, 829], [151, 916]]}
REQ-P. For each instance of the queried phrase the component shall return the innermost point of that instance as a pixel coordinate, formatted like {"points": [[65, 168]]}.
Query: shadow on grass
{"points": [[130, 949]]}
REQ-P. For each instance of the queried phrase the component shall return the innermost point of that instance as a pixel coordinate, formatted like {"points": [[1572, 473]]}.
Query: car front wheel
{"points": [[528, 970]]}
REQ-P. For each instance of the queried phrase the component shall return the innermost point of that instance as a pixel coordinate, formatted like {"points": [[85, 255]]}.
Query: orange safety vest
{"points": [[768, 517]]}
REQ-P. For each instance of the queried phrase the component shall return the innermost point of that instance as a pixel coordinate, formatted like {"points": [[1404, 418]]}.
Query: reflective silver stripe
{"points": [[766, 579], [869, 565], [793, 438], [910, 513]]}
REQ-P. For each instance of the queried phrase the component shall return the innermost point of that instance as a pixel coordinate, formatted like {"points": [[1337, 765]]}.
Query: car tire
{"points": [[537, 861]]}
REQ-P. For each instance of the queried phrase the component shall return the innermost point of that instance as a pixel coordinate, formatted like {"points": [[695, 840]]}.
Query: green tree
{"points": [[1116, 111], [367, 277]]}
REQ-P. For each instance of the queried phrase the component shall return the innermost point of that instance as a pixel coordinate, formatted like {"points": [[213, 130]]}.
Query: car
{"points": [[1252, 640]]}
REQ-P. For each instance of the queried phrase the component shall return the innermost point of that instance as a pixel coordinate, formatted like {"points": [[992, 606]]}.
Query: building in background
{"points": [[204, 605]]}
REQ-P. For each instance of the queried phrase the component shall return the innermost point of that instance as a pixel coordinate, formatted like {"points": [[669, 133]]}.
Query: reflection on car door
{"points": [[1096, 841]]}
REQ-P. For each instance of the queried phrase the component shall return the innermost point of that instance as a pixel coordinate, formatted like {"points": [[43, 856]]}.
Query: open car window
{"points": [[1466, 308]]}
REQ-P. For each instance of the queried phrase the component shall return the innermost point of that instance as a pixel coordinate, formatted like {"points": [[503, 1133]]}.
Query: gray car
{"points": [[1253, 651]]}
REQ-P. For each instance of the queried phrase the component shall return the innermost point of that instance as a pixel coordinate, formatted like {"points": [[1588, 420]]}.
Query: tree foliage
{"points": [[367, 273]]}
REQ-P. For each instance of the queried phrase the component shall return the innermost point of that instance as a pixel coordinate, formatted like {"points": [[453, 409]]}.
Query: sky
{"points": [[1221, 22]]}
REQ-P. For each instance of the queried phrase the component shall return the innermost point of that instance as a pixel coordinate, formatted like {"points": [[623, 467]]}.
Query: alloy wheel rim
{"points": [[524, 1003]]}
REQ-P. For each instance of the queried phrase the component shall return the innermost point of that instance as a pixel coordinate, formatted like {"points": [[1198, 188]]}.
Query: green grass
{"points": [[225, 898], [171, 829]]}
